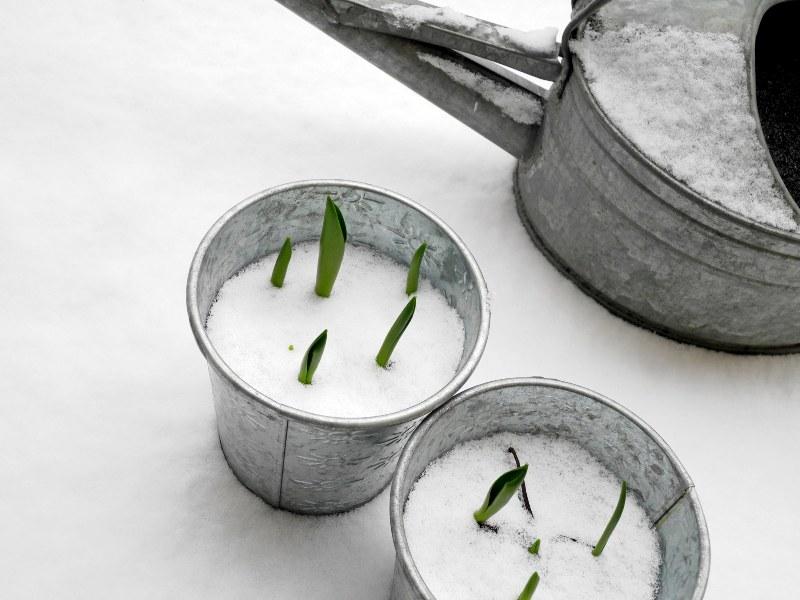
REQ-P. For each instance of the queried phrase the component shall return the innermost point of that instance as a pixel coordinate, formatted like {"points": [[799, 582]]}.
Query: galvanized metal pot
{"points": [[613, 435], [293, 459], [629, 234]]}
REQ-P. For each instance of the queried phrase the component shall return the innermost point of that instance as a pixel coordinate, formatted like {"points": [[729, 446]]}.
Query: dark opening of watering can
{"points": [[778, 89]]}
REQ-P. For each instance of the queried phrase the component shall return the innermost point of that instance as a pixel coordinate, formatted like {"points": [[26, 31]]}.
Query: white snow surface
{"points": [[252, 323], [682, 97], [128, 129], [572, 497], [519, 105]]}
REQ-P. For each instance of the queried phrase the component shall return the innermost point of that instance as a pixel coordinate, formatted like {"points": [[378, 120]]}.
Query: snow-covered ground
{"points": [[127, 129]]}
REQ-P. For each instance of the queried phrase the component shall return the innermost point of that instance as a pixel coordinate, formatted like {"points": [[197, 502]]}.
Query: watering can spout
{"points": [[450, 59]]}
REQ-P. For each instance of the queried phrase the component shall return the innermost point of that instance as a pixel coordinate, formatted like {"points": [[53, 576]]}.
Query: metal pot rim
{"points": [[197, 321], [397, 504]]}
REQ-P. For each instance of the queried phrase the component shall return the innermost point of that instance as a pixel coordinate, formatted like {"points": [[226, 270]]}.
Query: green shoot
{"points": [[331, 248], [312, 358], [534, 547], [291, 347], [601, 544], [500, 493], [530, 587], [396, 331], [412, 281], [282, 263]]}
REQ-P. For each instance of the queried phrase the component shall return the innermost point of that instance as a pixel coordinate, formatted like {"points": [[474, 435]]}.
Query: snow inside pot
{"points": [[643, 174], [328, 442], [578, 446]]}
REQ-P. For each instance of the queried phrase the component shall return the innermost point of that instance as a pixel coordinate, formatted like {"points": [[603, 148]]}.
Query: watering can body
{"points": [[646, 246]]}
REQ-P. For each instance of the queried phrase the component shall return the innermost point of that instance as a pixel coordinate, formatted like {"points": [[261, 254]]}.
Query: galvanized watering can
{"points": [[629, 234]]}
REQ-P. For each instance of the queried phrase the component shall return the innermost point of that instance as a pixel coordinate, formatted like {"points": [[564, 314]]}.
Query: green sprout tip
{"points": [[500, 493], [412, 281], [282, 263], [534, 547], [612, 523], [395, 332], [331, 248], [530, 587], [311, 358]]}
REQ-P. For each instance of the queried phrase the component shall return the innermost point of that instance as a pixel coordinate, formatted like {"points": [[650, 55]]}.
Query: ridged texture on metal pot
{"points": [[628, 447], [293, 459]]}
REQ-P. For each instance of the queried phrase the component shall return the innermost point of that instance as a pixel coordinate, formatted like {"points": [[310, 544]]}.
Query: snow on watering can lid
{"points": [[677, 79]]}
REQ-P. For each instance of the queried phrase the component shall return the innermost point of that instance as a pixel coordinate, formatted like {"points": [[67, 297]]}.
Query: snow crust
{"points": [[682, 97], [252, 324], [520, 106]]}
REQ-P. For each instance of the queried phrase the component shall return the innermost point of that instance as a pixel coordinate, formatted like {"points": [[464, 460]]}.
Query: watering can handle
{"points": [[495, 102], [443, 27]]}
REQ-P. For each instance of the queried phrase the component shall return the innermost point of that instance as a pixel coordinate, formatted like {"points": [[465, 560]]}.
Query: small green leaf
{"points": [[331, 248], [530, 587], [311, 358], [534, 547], [612, 523], [501, 492], [396, 331], [282, 263], [412, 281], [291, 347]]}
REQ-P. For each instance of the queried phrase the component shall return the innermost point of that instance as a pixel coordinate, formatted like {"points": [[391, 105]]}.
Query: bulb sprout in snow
{"points": [[311, 358], [412, 281], [500, 493], [282, 263], [331, 248], [395, 333], [612, 523], [534, 547], [530, 587]]}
